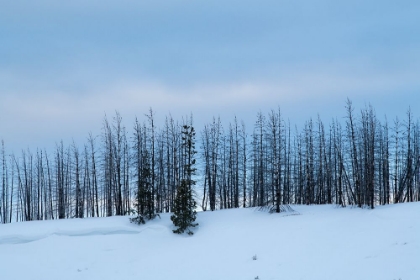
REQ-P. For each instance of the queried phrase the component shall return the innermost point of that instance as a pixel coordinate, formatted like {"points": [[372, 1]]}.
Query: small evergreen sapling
{"points": [[184, 209], [184, 213], [144, 201]]}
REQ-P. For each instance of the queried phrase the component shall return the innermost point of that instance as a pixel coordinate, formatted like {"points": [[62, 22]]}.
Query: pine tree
{"points": [[184, 213], [144, 202]]}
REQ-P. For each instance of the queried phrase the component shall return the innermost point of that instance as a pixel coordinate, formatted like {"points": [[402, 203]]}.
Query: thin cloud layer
{"points": [[46, 117]]}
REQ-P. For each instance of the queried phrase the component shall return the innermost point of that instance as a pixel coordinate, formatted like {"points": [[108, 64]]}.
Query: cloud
{"points": [[43, 115]]}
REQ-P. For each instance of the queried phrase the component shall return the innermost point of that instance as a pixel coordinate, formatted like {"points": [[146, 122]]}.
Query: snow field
{"points": [[315, 242]]}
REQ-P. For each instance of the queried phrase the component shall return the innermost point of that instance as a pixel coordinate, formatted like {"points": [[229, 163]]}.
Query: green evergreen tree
{"points": [[144, 202], [184, 213]]}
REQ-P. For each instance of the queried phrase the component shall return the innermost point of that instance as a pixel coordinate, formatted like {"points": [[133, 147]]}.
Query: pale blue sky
{"points": [[64, 65]]}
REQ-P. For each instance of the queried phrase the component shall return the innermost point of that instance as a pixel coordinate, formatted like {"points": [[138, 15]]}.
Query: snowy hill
{"points": [[315, 242]]}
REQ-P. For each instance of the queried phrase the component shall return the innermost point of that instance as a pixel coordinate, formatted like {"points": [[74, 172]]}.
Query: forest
{"points": [[360, 160]]}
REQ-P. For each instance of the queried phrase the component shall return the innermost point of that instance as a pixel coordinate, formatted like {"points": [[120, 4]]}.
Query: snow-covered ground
{"points": [[315, 242]]}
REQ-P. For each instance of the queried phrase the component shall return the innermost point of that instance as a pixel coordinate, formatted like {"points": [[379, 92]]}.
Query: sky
{"points": [[65, 65]]}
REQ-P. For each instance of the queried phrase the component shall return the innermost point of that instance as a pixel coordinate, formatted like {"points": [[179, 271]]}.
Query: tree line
{"points": [[361, 160]]}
